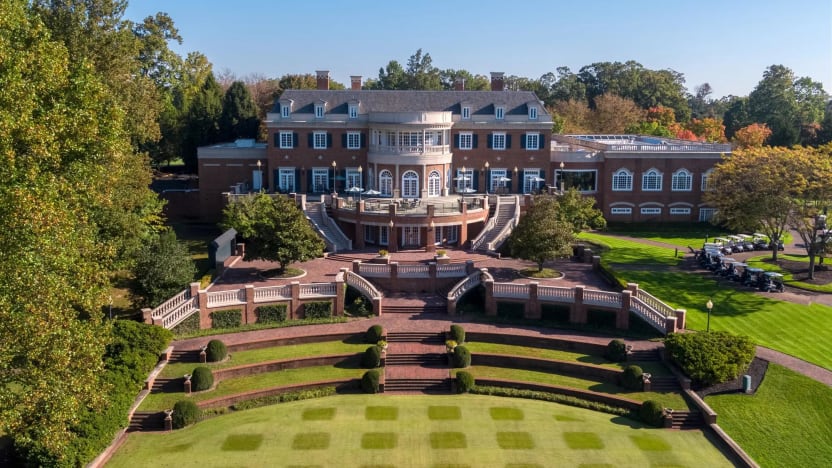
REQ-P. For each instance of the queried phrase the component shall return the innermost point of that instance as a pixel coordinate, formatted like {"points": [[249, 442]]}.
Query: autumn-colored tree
{"points": [[751, 136], [683, 133], [665, 116], [613, 114], [575, 114], [808, 216], [708, 129]]}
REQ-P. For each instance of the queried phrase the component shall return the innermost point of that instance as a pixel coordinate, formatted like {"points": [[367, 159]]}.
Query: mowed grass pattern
{"points": [[524, 433]]}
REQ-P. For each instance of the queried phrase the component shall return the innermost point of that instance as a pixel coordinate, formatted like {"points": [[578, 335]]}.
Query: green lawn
{"points": [[161, 401], [241, 358], [764, 262], [786, 423], [625, 251], [476, 434]]}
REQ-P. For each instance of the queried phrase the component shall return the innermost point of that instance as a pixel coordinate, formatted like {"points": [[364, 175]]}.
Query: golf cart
{"points": [[724, 266], [747, 242], [752, 277], [771, 282], [738, 270], [737, 243], [724, 245]]}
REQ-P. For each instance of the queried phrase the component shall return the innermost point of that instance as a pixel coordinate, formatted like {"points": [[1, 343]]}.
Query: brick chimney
{"points": [[459, 84], [355, 81], [322, 77], [497, 82]]}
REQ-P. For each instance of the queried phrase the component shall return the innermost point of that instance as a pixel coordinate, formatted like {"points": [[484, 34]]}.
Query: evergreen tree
{"points": [[239, 114], [203, 117]]}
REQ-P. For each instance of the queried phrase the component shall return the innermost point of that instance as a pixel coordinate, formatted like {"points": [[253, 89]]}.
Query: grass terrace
{"points": [[765, 262]]}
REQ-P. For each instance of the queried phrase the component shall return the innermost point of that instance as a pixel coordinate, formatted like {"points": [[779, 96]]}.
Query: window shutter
{"points": [[309, 140], [343, 140], [297, 180], [475, 181], [277, 140], [309, 187], [508, 140], [276, 173], [294, 140], [329, 140], [475, 141], [363, 138], [541, 141], [490, 141], [523, 141], [456, 140]]}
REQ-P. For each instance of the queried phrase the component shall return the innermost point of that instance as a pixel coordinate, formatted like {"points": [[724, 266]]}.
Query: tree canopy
{"points": [[542, 234]]}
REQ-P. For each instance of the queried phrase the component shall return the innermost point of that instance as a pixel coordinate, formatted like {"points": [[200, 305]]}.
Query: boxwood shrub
{"points": [[652, 413], [317, 310], [201, 379], [374, 334], [188, 326], [215, 351], [271, 313], [631, 378], [464, 382], [370, 380], [227, 318], [462, 357], [371, 357], [712, 357], [458, 334], [616, 351], [185, 413]]}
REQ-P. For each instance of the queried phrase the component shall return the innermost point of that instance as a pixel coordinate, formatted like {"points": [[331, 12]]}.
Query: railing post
{"points": [[622, 316], [633, 288], [356, 266], [533, 305], [680, 318], [432, 274], [577, 314], [490, 302], [670, 324], [340, 293], [147, 316], [394, 276], [193, 288], [204, 315], [469, 267], [294, 305], [250, 316]]}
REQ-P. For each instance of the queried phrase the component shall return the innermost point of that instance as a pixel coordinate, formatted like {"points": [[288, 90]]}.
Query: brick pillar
{"points": [[577, 314], [358, 240], [204, 314], [356, 267], [680, 319], [250, 315], [193, 288], [463, 228], [497, 82], [340, 294], [146, 316], [432, 279], [596, 262], [633, 287], [622, 315], [355, 82], [322, 79], [295, 306], [377, 306], [670, 324], [168, 421], [394, 276], [490, 303], [186, 386], [532, 310]]}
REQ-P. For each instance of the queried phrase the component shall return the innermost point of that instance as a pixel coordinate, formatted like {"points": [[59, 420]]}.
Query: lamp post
{"points": [[561, 176], [334, 167], [517, 174], [709, 305], [260, 175], [487, 178], [360, 181]]}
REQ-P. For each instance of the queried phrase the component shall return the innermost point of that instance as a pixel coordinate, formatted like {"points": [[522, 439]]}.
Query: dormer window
{"points": [[353, 111], [532, 113], [466, 113], [319, 111], [499, 112], [284, 111]]}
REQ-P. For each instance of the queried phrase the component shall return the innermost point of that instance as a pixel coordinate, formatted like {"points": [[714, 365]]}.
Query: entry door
{"points": [[410, 236]]}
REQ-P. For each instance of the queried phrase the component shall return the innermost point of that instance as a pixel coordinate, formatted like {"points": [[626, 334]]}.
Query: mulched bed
{"points": [[800, 271], [757, 370]]}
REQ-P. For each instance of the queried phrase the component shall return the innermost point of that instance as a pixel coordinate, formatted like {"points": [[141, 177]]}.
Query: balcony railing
{"points": [[411, 149]]}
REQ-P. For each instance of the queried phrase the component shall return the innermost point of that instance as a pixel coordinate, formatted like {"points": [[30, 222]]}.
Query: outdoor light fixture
{"points": [[562, 165], [432, 225], [709, 305], [390, 224]]}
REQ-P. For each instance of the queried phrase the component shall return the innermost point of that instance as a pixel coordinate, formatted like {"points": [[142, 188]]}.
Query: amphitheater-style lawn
{"points": [[627, 251], [536, 434]]}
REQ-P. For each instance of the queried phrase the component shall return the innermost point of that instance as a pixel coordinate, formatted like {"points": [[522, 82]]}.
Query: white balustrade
{"points": [[556, 294], [362, 285], [655, 303], [512, 290], [374, 270], [226, 298], [473, 280], [317, 290], [602, 298], [451, 270], [171, 304], [414, 271], [273, 293], [185, 310], [649, 314]]}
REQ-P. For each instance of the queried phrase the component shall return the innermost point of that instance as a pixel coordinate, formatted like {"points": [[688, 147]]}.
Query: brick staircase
{"points": [[405, 309], [416, 363], [167, 385], [415, 337], [147, 421], [417, 385], [644, 355], [184, 356], [687, 420], [414, 304], [421, 360], [665, 384]]}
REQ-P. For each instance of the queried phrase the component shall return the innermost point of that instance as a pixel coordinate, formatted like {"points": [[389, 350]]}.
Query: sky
{"points": [[726, 43]]}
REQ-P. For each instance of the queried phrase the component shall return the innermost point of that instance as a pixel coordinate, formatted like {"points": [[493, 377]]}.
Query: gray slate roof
{"points": [[481, 102]]}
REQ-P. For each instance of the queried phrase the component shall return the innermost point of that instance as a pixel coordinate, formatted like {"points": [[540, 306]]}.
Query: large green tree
{"points": [[809, 216], [579, 211], [203, 120], [239, 113], [164, 268], [273, 228], [542, 234]]}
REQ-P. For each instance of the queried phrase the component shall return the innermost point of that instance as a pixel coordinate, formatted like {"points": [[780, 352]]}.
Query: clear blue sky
{"points": [[728, 43]]}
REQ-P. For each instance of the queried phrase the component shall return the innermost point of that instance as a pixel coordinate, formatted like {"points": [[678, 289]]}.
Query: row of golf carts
{"points": [[713, 257]]}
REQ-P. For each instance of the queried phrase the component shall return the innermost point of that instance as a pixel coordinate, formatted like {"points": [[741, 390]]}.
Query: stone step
{"points": [[393, 309], [415, 337], [184, 356], [417, 385], [644, 355], [167, 385], [430, 359], [147, 421], [688, 420]]}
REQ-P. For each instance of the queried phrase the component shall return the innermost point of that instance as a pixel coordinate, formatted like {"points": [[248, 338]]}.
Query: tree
{"points": [[613, 114], [541, 235], [708, 129], [736, 116], [575, 115], [390, 77], [421, 74], [472, 82], [579, 211], [808, 217], [751, 136], [239, 114], [567, 86], [203, 116], [164, 268], [273, 228]]}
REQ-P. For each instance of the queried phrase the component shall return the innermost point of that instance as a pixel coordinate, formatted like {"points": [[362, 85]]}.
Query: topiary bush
{"points": [[464, 382], [317, 310], [458, 334], [202, 379], [374, 334], [215, 351], [271, 313], [185, 413], [227, 318], [712, 357], [371, 357], [631, 378], [616, 351], [652, 413], [462, 357], [369, 382]]}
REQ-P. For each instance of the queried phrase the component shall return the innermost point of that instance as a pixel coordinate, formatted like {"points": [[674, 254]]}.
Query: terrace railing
{"points": [[171, 305], [648, 314], [226, 298], [655, 303], [602, 298], [317, 290], [556, 294], [361, 284], [273, 293]]}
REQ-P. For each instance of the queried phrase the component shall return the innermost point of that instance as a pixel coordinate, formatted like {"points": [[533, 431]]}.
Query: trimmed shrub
{"points": [[458, 334], [710, 358], [464, 382], [552, 397], [371, 357], [359, 308], [185, 413], [215, 351], [202, 379], [317, 310], [271, 313], [369, 382], [462, 357], [374, 334], [616, 351], [631, 378], [227, 318], [652, 413], [554, 313], [284, 397], [188, 326]]}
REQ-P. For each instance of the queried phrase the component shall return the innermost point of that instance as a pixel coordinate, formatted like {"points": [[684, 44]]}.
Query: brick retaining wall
{"points": [[573, 392], [533, 342], [572, 369]]}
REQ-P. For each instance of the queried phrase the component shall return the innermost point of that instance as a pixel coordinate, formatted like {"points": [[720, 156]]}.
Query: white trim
{"points": [[466, 113], [679, 211], [502, 145], [681, 181], [621, 210], [466, 145], [357, 137], [537, 136], [650, 210], [681, 203], [283, 143], [651, 203], [653, 173], [622, 203], [315, 143], [499, 112], [620, 173]]}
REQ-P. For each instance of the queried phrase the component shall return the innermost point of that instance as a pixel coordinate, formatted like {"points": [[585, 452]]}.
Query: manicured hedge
{"points": [[616, 351], [370, 381], [201, 379], [709, 358], [227, 318], [458, 334], [188, 326], [464, 382], [284, 397], [631, 378], [462, 357], [652, 413], [215, 351], [552, 397], [374, 334], [185, 413], [371, 357], [317, 310], [271, 313]]}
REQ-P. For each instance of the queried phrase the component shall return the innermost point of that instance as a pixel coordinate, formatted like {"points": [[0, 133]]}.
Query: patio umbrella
{"points": [[503, 179], [372, 192], [354, 189], [468, 190]]}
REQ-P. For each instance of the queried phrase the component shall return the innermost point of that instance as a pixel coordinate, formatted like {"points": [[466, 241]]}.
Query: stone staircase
{"points": [[189, 355], [415, 337], [147, 421], [644, 355], [414, 304], [416, 363], [167, 385], [335, 241], [421, 360], [438, 386], [665, 384], [688, 420], [503, 214]]}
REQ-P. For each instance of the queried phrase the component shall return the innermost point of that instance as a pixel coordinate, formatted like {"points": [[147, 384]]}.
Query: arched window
{"points": [[385, 183], [622, 181], [651, 181], [682, 181], [410, 185], [433, 184]]}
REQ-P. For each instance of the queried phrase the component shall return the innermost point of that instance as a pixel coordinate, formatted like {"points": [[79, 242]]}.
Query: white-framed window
{"points": [[353, 140], [410, 185], [682, 181], [622, 181], [284, 111], [449, 234], [434, 184], [532, 141], [437, 235], [466, 140], [499, 112], [651, 210], [466, 113], [385, 183], [498, 181], [651, 181], [320, 179], [319, 140], [353, 111], [706, 176], [706, 214], [353, 178], [532, 113], [319, 111], [680, 211], [465, 180], [286, 179], [287, 140], [531, 180], [410, 236], [498, 140], [383, 235], [621, 210], [370, 233]]}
